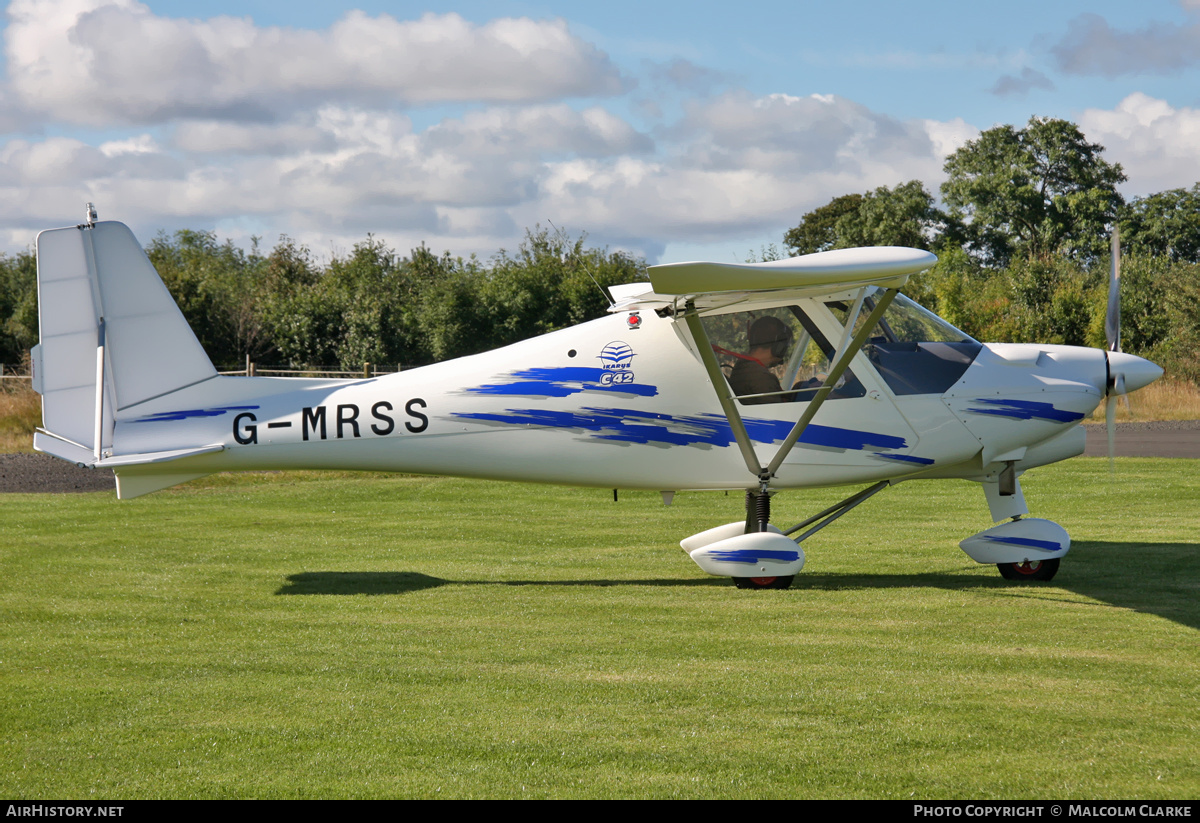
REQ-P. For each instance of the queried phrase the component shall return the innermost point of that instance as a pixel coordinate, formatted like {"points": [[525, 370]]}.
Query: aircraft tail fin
{"points": [[111, 337]]}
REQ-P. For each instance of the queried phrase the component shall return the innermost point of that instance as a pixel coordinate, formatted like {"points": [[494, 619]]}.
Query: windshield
{"points": [[903, 322], [914, 350]]}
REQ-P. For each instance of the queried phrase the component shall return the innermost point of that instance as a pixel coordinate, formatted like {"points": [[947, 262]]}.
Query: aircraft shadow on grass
{"points": [[407, 582], [1154, 578]]}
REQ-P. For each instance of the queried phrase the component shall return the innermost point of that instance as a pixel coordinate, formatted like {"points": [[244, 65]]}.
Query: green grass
{"points": [[372, 636]]}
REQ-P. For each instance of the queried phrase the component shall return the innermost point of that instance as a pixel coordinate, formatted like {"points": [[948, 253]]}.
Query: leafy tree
{"points": [[903, 216], [1165, 224], [1144, 321], [1035, 192], [360, 309], [304, 323], [1177, 352], [217, 287], [18, 307], [818, 229], [374, 296], [550, 283], [451, 319], [765, 254]]}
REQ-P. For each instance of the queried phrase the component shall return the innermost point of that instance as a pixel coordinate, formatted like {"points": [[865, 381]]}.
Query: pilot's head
{"points": [[770, 334]]}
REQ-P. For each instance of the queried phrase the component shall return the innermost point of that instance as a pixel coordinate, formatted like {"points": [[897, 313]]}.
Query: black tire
{"points": [[781, 582], [1025, 572]]}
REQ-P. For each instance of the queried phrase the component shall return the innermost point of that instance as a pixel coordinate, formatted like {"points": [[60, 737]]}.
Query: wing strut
{"points": [[721, 387]]}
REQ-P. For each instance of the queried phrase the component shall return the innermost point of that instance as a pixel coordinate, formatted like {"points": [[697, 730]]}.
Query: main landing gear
{"points": [[755, 553], [758, 518]]}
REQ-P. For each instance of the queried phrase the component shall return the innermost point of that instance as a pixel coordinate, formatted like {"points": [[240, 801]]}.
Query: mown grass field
{"points": [[368, 636]]}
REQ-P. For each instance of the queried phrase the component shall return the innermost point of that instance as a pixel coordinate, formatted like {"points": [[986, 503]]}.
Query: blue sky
{"points": [[673, 130]]}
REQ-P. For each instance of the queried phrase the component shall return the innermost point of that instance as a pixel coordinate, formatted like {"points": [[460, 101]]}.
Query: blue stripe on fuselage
{"points": [[1026, 410], [184, 414], [631, 426], [561, 382]]}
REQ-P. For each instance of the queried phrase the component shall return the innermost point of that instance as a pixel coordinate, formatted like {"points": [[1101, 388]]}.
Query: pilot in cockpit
{"points": [[770, 341]]}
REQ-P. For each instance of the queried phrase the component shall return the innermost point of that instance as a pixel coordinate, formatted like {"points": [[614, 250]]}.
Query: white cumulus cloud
{"points": [[1153, 141], [115, 61], [268, 130], [731, 165]]}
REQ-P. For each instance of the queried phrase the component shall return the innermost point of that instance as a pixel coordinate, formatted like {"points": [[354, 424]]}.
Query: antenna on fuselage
{"points": [[603, 293]]}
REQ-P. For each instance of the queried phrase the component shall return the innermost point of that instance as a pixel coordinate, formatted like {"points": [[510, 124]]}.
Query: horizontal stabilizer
{"points": [[62, 449], [155, 457], [130, 481], [74, 453]]}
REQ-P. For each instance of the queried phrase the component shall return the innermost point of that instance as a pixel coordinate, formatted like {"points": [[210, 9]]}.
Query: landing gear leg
{"points": [[1020, 537], [758, 511]]}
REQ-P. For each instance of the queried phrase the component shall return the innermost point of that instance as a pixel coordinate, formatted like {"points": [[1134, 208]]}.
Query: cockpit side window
{"points": [[774, 355], [914, 350]]}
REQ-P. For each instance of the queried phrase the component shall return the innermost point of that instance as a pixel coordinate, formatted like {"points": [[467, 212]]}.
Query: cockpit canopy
{"points": [[913, 350]]}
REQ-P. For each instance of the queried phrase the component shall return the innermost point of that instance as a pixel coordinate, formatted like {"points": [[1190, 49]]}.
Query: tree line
{"points": [[369, 306], [1021, 230]]}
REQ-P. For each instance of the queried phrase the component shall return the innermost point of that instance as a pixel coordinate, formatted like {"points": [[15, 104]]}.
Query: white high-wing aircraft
{"points": [[672, 391]]}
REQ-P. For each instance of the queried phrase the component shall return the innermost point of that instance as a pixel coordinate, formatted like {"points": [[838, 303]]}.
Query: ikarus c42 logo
{"points": [[617, 361]]}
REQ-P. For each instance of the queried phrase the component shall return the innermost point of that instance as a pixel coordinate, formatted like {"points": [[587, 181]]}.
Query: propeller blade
{"points": [[1112, 318], [1114, 391], [1112, 334], [1110, 425]]}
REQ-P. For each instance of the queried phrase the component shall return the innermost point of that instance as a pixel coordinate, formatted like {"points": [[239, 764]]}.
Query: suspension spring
{"points": [[762, 507]]}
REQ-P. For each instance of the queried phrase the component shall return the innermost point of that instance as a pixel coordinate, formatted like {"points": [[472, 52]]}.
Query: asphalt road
{"points": [[1167, 438]]}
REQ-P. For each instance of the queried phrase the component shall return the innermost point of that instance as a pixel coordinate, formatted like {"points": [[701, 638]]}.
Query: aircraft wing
{"points": [[827, 272]]}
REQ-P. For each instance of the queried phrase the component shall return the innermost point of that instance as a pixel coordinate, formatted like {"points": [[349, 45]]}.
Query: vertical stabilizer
{"points": [[111, 335]]}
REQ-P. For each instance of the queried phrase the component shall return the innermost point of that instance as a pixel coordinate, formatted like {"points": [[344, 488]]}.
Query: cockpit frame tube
{"points": [[835, 374]]}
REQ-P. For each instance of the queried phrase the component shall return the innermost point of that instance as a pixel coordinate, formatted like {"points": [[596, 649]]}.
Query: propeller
{"points": [[1124, 372]]}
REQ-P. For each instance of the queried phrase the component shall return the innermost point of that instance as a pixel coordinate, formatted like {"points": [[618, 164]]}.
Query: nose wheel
{"points": [[1037, 570]]}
